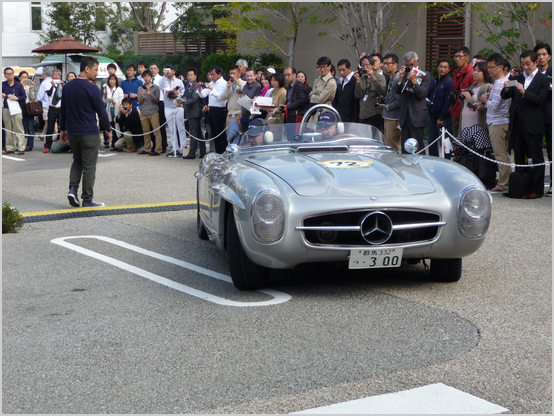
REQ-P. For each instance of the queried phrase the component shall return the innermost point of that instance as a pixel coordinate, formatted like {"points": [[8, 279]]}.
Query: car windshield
{"points": [[286, 134]]}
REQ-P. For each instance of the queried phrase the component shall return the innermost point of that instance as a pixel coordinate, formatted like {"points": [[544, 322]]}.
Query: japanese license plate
{"points": [[375, 258]]}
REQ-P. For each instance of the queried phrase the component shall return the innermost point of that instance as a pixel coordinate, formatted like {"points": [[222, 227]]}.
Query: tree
{"points": [[126, 18], [268, 25], [148, 15], [505, 25], [196, 23], [369, 26], [78, 20]]}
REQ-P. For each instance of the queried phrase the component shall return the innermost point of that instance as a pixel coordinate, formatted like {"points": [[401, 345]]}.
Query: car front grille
{"points": [[371, 227]]}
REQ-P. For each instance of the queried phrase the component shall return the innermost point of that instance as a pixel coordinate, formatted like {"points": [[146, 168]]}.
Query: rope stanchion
{"points": [[496, 161]]}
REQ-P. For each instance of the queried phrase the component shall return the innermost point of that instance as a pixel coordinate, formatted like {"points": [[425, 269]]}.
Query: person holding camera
{"points": [[463, 78], [129, 120], [173, 88], [527, 118], [391, 106], [193, 112], [369, 86], [413, 85], [439, 105], [54, 94], [474, 111], [149, 97], [232, 94]]}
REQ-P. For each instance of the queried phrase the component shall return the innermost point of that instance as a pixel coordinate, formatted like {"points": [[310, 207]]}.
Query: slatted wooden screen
{"points": [[164, 44], [443, 36]]}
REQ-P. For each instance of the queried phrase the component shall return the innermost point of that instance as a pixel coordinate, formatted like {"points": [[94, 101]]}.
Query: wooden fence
{"points": [[164, 44]]}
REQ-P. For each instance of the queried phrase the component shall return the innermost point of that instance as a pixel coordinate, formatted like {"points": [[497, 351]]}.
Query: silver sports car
{"points": [[292, 194]]}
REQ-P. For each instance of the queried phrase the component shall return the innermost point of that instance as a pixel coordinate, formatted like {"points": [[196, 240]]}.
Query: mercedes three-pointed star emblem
{"points": [[376, 227]]}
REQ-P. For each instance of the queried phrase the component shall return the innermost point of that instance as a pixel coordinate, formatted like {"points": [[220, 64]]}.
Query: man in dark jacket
{"points": [[193, 113], [297, 101], [527, 118], [413, 85], [345, 101], [81, 107], [439, 105], [544, 54], [129, 120]]}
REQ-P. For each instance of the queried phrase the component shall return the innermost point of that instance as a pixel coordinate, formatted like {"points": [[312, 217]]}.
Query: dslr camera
{"points": [[380, 100]]}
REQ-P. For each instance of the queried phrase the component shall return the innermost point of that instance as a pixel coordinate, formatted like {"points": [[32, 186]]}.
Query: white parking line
{"points": [[108, 155], [278, 297], [13, 158], [432, 399]]}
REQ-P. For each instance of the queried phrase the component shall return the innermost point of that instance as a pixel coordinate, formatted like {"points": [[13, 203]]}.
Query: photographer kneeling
{"points": [[129, 120]]}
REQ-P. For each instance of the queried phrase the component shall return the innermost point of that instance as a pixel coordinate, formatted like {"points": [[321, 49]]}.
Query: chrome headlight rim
{"points": [[474, 212], [267, 216]]}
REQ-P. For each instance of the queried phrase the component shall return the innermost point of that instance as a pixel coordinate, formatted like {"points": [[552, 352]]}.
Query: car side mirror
{"points": [[411, 146]]}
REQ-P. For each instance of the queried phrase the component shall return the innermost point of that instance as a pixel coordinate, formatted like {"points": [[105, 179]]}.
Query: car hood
{"points": [[348, 174]]}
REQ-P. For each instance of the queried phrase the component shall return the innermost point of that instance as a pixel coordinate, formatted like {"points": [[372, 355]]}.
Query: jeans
{"points": [[434, 131], [29, 128], [85, 157]]}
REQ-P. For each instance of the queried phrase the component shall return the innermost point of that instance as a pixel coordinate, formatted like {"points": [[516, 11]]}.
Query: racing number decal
{"points": [[345, 164]]}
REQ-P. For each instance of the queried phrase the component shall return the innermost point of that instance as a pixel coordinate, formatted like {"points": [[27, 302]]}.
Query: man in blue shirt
{"points": [[81, 104], [12, 92], [131, 84]]}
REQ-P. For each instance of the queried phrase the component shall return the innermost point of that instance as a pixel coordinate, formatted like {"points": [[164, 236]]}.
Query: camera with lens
{"points": [[380, 100], [362, 71]]}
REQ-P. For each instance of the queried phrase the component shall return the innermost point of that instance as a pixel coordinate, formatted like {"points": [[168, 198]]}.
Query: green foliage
{"points": [[505, 25], [11, 218], [267, 25], [78, 20], [197, 22]]}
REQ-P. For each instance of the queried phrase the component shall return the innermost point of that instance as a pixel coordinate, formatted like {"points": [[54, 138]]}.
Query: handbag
{"points": [[519, 183], [34, 108]]}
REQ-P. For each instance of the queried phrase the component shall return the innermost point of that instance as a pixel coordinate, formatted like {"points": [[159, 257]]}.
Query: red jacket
{"points": [[465, 78]]}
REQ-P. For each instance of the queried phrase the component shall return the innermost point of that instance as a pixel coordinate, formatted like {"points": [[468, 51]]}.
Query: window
{"points": [[36, 16], [443, 36]]}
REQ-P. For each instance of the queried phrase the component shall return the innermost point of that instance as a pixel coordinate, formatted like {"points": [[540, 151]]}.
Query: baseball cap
{"points": [[327, 118], [256, 126], [170, 67], [271, 69]]}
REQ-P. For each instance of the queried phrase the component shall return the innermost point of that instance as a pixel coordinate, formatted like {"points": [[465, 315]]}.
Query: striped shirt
{"points": [[498, 110]]}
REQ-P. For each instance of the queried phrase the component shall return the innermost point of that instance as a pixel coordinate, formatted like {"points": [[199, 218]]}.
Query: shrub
{"points": [[11, 218]]}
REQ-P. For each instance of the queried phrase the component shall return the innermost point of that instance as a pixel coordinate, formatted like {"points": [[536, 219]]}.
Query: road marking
{"points": [[111, 154], [13, 158], [108, 208], [278, 297], [433, 399]]}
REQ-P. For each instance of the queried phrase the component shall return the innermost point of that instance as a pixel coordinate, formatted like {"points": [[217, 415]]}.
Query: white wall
{"points": [[17, 38]]}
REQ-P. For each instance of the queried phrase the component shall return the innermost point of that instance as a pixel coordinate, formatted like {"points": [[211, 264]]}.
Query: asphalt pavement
{"points": [[133, 313]]}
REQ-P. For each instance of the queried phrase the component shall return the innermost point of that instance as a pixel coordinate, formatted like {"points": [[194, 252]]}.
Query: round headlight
{"points": [[474, 212], [268, 217]]}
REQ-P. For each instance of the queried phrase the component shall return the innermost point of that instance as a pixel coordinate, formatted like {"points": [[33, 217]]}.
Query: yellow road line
{"points": [[64, 211]]}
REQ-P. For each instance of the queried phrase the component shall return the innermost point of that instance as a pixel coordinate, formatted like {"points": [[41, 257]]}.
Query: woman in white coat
{"points": [[113, 95]]}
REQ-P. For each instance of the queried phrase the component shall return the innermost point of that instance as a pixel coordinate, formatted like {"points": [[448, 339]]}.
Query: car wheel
{"points": [[246, 274], [200, 229], [446, 270]]}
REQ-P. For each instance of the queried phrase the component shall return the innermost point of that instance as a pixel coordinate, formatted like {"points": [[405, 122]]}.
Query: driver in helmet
{"points": [[326, 125]]}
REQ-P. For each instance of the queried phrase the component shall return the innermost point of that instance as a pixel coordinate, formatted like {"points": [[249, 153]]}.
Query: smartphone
{"points": [[511, 83]]}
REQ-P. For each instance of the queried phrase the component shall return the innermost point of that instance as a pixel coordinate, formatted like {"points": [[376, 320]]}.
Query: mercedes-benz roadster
{"points": [[292, 194]]}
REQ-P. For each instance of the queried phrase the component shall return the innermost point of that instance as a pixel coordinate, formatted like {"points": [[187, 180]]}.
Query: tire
{"points": [[446, 270], [200, 229], [246, 274]]}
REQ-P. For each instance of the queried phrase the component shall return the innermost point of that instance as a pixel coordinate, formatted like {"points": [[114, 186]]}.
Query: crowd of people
{"points": [[401, 100]]}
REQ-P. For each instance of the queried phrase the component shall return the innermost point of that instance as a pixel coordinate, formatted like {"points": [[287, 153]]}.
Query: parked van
{"points": [[73, 65]]}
